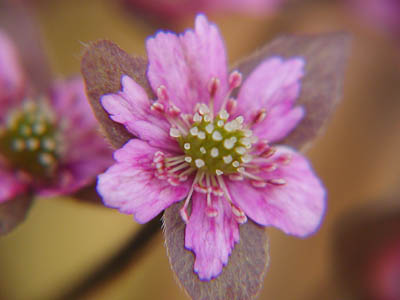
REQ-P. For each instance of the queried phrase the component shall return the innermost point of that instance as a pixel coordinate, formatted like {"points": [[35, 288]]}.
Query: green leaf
{"points": [[321, 87], [13, 212], [103, 64], [241, 278]]}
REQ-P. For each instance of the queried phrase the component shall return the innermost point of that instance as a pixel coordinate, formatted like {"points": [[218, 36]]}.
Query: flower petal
{"points": [[185, 64], [274, 86], [131, 186], [131, 107], [86, 152], [211, 238], [296, 207], [11, 75], [10, 186]]}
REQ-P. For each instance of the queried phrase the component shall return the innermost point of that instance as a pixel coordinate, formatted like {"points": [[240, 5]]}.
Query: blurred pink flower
{"points": [[167, 9], [383, 14], [197, 143], [49, 146], [383, 272]]}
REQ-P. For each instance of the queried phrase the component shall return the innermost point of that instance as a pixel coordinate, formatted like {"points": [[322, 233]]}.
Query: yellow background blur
{"points": [[357, 159]]}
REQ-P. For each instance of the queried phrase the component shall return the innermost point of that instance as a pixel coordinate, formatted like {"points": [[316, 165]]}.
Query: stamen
{"points": [[277, 181], [194, 131], [223, 114], [183, 211], [231, 106], [197, 117], [235, 80], [156, 106], [174, 132], [162, 93]]}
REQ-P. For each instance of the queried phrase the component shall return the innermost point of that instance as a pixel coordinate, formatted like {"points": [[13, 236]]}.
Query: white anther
{"points": [[39, 128], [174, 132], [188, 159], [203, 109], [227, 159], [229, 143], [18, 145], [203, 150], [246, 142], [197, 117], [220, 123], [224, 114], [46, 159], [186, 146], [214, 152], [241, 169], [32, 144], [247, 132], [207, 118], [201, 135], [199, 163], [236, 164], [210, 128], [194, 131], [240, 150], [216, 136], [239, 119], [218, 172], [247, 158], [49, 144]]}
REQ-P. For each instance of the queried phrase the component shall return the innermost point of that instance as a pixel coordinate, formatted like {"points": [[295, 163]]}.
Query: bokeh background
{"points": [[358, 159]]}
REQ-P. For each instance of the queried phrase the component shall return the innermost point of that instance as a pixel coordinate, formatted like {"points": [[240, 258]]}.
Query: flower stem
{"points": [[126, 257]]}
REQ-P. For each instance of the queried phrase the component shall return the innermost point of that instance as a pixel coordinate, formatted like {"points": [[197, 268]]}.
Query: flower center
{"points": [[216, 146], [29, 140]]}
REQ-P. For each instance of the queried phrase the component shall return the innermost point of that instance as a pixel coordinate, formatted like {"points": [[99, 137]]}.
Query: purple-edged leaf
{"points": [[88, 194], [13, 212], [325, 56], [18, 21], [241, 278], [103, 64]]}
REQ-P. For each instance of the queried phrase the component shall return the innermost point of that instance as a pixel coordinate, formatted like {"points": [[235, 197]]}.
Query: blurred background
{"points": [[358, 159]]}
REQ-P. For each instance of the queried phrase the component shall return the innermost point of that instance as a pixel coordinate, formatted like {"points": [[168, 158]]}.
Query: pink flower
{"points": [[49, 146], [383, 14], [167, 9], [216, 152]]}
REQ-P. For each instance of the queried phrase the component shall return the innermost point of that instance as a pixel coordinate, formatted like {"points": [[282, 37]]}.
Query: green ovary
{"points": [[209, 146]]}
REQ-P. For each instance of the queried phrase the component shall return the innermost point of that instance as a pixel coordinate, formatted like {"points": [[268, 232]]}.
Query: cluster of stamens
{"points": [[28, 141], [214, 147]]}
